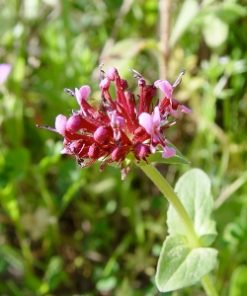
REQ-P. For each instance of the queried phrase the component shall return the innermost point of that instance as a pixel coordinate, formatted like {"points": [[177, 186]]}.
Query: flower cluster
{"points": [[122, 124]]}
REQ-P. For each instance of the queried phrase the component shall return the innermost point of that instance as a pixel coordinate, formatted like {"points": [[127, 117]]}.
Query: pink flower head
{"points": [[4, 72], [122, 124]]}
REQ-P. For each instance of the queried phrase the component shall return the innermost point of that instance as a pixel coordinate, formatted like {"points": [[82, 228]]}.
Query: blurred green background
{"points": [[71, 231]]}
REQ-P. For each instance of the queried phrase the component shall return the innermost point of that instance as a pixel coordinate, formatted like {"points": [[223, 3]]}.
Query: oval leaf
{"points": [[179, 266], [215, 31], [194, 191], [187, 14]]}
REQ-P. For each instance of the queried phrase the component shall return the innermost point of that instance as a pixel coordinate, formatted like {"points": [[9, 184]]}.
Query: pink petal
{"points": [[4, 72], [60, 124], [112, 73], [105, 83], [184, 109], [65, 150], [165, 87], [141, 150], [156, 117], [146, 121], [82, 93], [168, 152], [116, 120], [174, 113]]}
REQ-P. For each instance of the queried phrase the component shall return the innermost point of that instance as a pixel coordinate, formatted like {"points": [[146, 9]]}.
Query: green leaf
{"points": [[194, 191], [179, 266], [107, 284], [228, 11], [239, 281], [215, 31], [14, 165], [158, 158], [9, 202], [54, 273], [189, 10]]}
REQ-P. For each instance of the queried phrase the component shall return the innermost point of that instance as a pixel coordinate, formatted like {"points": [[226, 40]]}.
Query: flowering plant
{"points": [[125, 130], [121, 126]]}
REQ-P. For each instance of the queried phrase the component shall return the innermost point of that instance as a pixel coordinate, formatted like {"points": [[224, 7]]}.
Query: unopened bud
{"points": [[102, 135], [93, 151], [117, 154], [73, 124], [142, 151]]}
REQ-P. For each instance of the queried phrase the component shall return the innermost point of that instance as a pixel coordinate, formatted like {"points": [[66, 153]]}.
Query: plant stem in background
{"points": [[165, 188], [164, 11], [208, 286]]}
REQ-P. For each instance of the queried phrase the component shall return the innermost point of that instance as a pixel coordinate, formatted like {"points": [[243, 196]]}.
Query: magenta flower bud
{"points": [[74, 123], [102, 135], [60, 124], [4, 72], [93, 151], [141, 151], [117, 154], [112, 73], [105, 83]]}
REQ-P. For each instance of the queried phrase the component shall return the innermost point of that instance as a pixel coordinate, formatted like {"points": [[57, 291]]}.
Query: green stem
{"points": [[165, 188], [208, 286]]}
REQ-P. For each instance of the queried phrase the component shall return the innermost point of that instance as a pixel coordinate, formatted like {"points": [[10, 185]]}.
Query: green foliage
{"points": [[239, 281], [194, 191], [177, 159], [181, 265], [188, 11]]}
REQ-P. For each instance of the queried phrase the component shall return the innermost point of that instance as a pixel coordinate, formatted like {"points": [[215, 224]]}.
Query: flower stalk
{"points": [[165, 188]]}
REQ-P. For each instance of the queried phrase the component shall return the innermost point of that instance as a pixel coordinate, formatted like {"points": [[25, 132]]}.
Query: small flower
{"points": [[4, 72], [165, 87], [60, 124], [151, 122], [121, 125]]}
